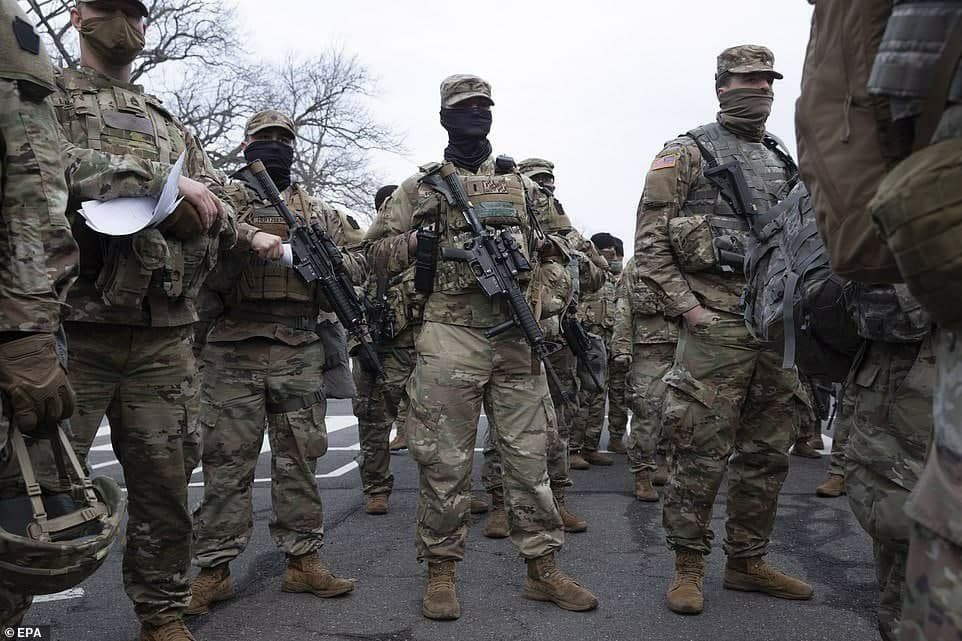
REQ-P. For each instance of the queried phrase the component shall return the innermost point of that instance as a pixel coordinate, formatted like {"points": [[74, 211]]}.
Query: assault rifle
{"points": [[579, 342], [380, 316], [318, 260], [496, 260]]}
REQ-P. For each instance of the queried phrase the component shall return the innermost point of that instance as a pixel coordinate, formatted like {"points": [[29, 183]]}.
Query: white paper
{"points": [[125, 216], [287, 260]]}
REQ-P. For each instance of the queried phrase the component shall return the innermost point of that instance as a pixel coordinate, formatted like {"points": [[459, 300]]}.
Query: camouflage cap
{"points": [[267, 119], [747, 59], [461, 86], [140, 5], [534, 166]]}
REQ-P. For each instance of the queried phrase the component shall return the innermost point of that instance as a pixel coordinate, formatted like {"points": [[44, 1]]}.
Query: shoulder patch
{"points": [[664, 162], [351, 221], [27, 38]]}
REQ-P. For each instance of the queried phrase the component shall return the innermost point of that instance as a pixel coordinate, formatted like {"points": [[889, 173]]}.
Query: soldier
{"points": [[132, 306], [457, 360], [560, 295], [263, 365], [730, 403], [644, 341], [834, 485], [809, 431], [597, 311]]}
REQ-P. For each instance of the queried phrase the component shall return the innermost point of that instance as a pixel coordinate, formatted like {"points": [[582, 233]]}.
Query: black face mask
{"points": [[277, 158], [467, 128]]}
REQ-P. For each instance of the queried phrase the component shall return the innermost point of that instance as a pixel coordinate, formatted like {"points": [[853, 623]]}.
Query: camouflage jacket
{"points": [[638, 319], [597, 308]]}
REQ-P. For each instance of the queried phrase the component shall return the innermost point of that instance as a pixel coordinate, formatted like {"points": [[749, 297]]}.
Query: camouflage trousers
{"points": [[13, 607], [250, 386], [933, 597], [559, 476], [377, 406], [842, 425], [590, 422], [458, 369], [144, 380], [729, 406], [646, 395]]}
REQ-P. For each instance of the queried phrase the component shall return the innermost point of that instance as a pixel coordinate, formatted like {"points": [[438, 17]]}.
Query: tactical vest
{"points": [[598, 308], [116, 118]]}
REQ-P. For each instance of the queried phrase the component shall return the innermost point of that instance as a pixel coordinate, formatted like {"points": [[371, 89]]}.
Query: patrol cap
{"points": [[534, 166], [462, 86], [267, 119], [747, 59], [140, 5]]}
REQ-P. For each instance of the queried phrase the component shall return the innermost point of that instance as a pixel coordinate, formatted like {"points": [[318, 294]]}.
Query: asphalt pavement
{"points": [[622, 558]]}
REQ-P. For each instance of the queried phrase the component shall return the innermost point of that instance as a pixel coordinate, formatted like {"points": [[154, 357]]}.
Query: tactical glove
{"points": [[35, 382], [184, 223]]}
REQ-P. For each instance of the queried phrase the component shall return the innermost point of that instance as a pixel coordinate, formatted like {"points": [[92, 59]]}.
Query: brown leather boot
{"points": [[570, 521], [831, 487], [660, 477], [440, 599], [817, 442], [173, 631], [644, 491], [306, 573], [577, 462], [805, 450], [755, 575], [210, 586], [685, 594], [496, 526], [399, 442], [616, 445], [546, 582], [596, 458], [376, 504], [478, 506]]}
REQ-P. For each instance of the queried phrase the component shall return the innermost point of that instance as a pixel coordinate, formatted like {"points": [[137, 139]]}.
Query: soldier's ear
{"points": [[75, 17]]}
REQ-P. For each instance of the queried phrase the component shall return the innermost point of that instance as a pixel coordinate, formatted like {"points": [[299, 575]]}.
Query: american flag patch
{"points": [[664, 162]]}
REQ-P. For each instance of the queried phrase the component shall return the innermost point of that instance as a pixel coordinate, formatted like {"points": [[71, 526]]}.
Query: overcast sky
{"points": [[597, 87]]}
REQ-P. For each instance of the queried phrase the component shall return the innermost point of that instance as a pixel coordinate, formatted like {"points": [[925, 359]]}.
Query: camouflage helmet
{"points": [[51, 542], [461, 86], [747, 59], [140, 5], [269, 118], [531, 167]]}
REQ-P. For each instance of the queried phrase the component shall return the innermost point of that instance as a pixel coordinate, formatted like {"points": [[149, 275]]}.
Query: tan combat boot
{"points": [[478, 506], [616, 445], [685, 594], [440, 599], [817, 442], [210, 586], [496, 526], [570, 521], [546, 582], [376, 504], [644, 491], [306, 573], [596, 458], [399, 442], [805, 450], [173, 631], [755, 575], [577, 462], [833, 486]]}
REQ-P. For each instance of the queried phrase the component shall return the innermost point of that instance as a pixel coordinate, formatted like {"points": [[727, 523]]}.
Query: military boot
{"points": [[440, 599], [570, 521], [376, 504], [817, 442], [805, 450], [644, 491], [595, 457], [616, 445], [660, 477], [833, 486], [478, 506], [399, 442], [210, 586], [306, 573], [577, 462], [755, 575], [546, 582], [497, 525], [173, 631], [685, 593]]}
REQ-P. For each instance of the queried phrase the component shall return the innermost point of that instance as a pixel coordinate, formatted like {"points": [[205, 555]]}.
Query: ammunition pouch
{"points": [[338, 380], [426, 260], [703, 243]]}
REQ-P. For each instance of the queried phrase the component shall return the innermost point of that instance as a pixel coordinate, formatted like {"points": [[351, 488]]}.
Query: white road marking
{"points": [[72, 593]]}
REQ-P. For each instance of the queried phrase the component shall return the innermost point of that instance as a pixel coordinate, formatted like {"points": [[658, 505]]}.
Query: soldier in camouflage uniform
{"points": [[130, 327], [264, 360], [644, 341], [834, 485], [560, 295], [41, 257], [458, 367], [597, 311], [730, 404]]}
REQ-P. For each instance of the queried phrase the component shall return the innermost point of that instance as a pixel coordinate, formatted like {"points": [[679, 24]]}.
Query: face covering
{"points": [[744, 112], [615, 266], [113, 39], [277, 158], [467, 129]]}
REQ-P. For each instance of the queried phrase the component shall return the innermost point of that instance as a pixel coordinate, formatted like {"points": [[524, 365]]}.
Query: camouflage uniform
{"points": [[264, 369], [649, 339], [39, 263], [135, 294], [730, 404]]}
